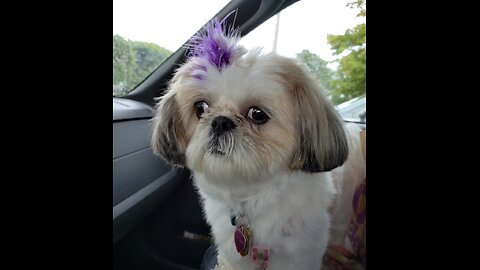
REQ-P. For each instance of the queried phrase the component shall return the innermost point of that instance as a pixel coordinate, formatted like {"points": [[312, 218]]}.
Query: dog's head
{"points": [[229, 112]]}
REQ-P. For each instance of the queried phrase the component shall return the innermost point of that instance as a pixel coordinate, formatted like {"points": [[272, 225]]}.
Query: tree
{"points": [[123, 64], [133, 61], [318, 67], [350, 78], [148, 57]]}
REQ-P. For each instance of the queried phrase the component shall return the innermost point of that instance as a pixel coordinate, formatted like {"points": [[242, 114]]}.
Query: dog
{"points": [[266, 148]]}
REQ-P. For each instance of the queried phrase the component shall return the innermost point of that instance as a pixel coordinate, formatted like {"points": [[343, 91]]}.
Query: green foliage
{"points": [[361, 5], [318, 67], [351, 74], [351, 80], [123, 64], [133, 61], [352, 39]]}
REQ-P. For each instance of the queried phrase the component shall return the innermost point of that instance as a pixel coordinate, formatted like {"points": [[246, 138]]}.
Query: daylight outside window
{"points": [[327, 36], [146, 33]]}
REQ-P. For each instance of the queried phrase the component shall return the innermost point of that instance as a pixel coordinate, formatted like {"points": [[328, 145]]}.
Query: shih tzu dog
{"points": [[261, 140]]}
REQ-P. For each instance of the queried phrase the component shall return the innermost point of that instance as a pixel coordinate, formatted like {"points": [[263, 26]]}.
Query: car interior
{"points": [[157, 218]]}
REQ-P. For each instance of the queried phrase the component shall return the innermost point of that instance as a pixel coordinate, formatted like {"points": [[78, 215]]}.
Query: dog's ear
{"points": [[321, 142], [168, 139]]}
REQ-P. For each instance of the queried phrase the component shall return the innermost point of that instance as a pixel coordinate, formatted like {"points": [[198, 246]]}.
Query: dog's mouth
{"points": [[221, 145], [216, 152], [217, 149]]}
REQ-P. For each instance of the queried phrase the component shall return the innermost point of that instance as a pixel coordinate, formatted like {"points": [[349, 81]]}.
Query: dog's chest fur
{"points": [[288, 215]]}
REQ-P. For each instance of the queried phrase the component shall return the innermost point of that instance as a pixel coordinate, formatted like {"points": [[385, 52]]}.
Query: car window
{"points": [[146, 33], [328, 37]]}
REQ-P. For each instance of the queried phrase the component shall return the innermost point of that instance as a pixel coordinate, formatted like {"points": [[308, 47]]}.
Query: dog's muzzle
{"points": [[222, 140]]}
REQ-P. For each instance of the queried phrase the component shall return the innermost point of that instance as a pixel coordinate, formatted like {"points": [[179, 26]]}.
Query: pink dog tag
{"points": [[242, 238]]}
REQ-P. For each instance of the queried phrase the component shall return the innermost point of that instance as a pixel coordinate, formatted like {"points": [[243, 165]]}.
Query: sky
{"points": [[303, 25]]}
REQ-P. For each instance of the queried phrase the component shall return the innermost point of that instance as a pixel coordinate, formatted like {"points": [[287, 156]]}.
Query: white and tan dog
{"points": [[261, 139]]}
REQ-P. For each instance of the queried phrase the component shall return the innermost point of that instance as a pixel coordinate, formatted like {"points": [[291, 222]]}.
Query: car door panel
{"points": [[141, 180]]}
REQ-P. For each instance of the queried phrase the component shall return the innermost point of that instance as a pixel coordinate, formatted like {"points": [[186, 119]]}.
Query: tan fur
{"points": [[321, 144]]}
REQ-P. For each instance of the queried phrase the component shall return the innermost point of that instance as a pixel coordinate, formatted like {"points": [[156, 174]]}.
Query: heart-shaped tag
{"points": [[242, 239]]}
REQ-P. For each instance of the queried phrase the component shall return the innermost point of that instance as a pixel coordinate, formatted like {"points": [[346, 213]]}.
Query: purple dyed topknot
{"points": [[214, 45]]}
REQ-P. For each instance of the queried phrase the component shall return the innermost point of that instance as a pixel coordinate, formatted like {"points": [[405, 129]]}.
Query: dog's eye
{"points": [[200, 108], [257, 116]]}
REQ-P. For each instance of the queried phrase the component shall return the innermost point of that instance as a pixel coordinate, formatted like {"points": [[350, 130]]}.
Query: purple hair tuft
{"points": [[214, 44]]}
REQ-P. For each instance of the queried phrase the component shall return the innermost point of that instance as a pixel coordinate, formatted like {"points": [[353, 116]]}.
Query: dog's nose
{"points": [[222, 124]]}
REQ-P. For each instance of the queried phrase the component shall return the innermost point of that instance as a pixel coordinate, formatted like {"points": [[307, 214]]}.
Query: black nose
{"points": [[221, 124]]}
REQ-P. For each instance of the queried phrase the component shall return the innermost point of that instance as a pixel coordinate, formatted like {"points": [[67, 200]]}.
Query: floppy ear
{"points": [[321, 142], [168, 139]]}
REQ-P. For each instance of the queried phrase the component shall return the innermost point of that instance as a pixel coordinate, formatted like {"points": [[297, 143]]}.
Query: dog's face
{"points": [[254, 116]]}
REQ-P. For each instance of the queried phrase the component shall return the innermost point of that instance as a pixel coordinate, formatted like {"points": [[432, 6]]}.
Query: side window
{"points": [[327, 36], [146, 33]]}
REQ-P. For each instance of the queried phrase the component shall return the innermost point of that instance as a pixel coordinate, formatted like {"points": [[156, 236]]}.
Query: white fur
{"points": [[290, 217]]}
